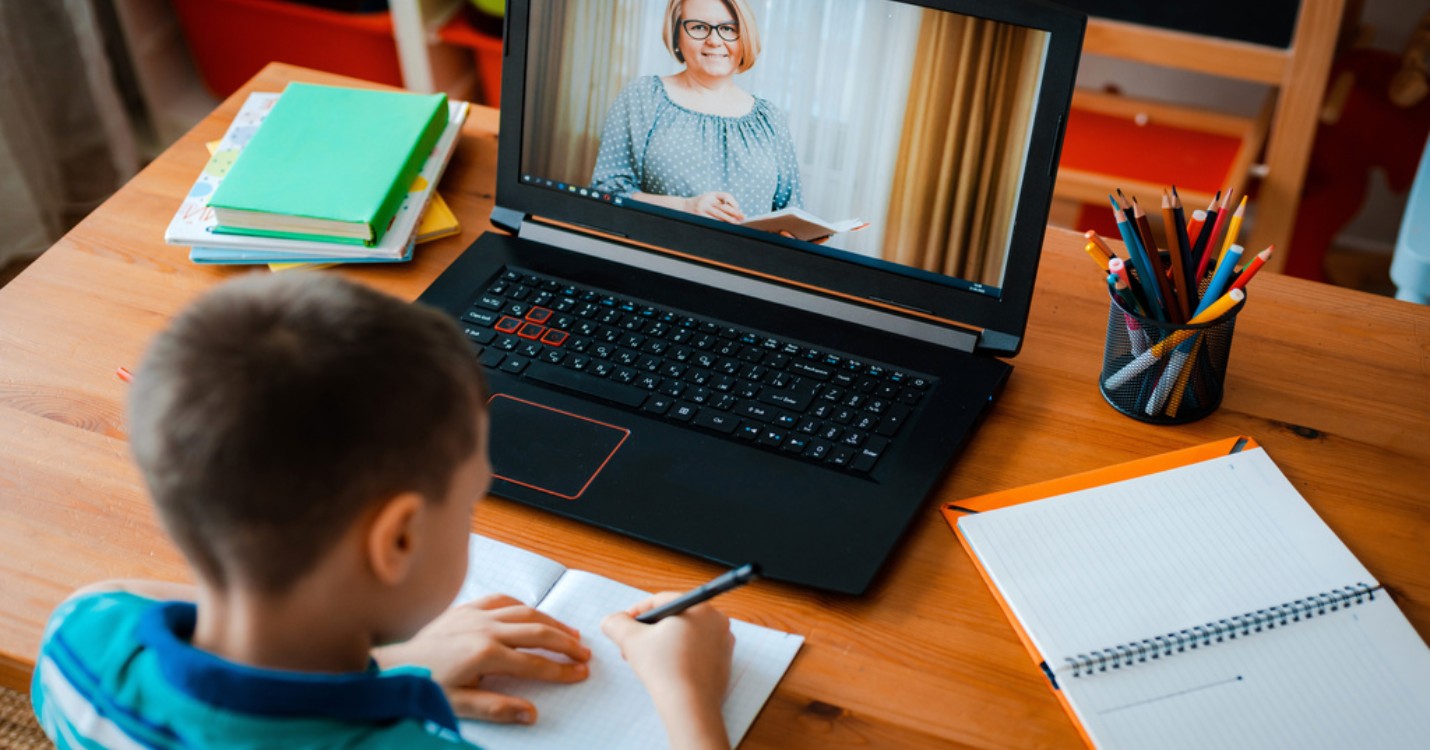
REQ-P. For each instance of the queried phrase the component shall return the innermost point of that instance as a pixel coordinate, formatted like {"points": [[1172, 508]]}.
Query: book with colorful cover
{"points": [[194, 223], [331, 163]]}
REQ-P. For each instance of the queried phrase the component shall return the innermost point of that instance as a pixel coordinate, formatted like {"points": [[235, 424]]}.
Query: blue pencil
{"points": [[1157, 309]]}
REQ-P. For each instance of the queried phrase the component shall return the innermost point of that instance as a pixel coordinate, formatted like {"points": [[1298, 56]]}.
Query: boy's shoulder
{"points": [[116, 670]]}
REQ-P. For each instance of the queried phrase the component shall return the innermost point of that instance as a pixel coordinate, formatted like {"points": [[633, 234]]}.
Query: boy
{"points": [[315, 450]]}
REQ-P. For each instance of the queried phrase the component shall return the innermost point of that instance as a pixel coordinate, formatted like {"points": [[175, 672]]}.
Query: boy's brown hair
{"points": [[277, 408]]}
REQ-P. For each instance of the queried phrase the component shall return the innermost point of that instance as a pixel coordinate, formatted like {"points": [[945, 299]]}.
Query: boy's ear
{"points": [[392, 537]]}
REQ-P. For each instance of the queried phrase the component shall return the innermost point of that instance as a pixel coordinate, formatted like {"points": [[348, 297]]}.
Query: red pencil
{"points": [[1209, 251], [1252, 267]]}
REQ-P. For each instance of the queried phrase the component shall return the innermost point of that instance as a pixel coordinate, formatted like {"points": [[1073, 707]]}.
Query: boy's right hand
{"points": [[684, 663]]}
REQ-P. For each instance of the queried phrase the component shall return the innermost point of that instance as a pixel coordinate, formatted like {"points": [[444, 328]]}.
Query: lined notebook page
{"points": [[1153, 555], [610, 708], [1357, 677]]}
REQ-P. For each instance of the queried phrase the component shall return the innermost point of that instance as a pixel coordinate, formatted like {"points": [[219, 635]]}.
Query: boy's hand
{"points": [[684, 662], [481, 638]]}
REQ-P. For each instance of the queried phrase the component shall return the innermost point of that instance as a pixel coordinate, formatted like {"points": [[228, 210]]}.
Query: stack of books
{"points": [[321, 175]]}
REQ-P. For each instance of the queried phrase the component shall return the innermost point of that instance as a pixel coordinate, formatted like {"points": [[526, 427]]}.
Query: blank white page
{"points": [[1152, 555]]}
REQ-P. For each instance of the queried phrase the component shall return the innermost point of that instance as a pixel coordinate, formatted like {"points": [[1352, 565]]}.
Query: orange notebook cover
{"points": [[1061, 486]]}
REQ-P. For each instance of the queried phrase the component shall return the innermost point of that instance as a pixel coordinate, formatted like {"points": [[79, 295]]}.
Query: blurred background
{"points": [[94, 89]]}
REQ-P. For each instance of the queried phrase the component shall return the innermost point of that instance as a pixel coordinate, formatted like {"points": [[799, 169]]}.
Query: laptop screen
{"points": [[892, 150]]}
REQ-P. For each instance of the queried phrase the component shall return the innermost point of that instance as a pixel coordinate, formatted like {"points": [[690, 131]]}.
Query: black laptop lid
{"points": [[938, 123]]}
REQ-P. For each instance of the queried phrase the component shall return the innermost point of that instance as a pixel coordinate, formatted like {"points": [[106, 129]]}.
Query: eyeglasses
{"points": [[700, 30]]}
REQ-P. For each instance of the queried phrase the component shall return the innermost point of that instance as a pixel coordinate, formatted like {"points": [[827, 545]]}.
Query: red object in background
{"points": [[1371, 132], [231, 40], [485, 47], [1157, 153]]}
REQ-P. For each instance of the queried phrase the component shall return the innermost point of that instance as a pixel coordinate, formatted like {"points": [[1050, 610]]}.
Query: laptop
{"points": [[667, 358]]}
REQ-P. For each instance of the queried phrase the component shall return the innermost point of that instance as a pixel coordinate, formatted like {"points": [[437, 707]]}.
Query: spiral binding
{"points": [[1136, 652]]}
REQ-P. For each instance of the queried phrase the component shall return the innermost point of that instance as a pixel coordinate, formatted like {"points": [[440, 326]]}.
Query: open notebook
{"points": [[1205, 606], [610, 708]]}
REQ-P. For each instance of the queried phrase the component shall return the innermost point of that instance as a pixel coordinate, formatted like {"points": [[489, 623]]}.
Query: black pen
{"points": [[722, 583]]}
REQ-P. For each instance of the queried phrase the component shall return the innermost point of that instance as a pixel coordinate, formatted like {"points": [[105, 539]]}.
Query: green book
{"points": [[329, 164]]}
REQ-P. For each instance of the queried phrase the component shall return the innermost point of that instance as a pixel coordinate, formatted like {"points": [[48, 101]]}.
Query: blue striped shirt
{"points": [[116, 670]]}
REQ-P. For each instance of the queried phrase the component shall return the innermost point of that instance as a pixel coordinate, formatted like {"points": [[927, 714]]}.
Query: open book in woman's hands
{"points": [[801, 224]]}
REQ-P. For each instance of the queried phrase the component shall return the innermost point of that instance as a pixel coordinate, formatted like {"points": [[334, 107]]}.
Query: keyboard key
{"points": [[796, 399], [529, 349], [514, 365], [480, 317], [810, 370], [571, 380], [491, 302], [910, 396], [553, 356], [796, 444], [867, 456], [538, 315], [748, 431], [893, 420], [493, 357], [772, 437], [659, 404], [531, 331], [818, 450], [684, 412], [480, 335], [553, 337], [758, 411], [517, 309], [841, 456], [717, 421], [507, 324]]}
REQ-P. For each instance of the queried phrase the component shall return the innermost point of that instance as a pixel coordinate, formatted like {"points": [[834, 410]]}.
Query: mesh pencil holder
{"points": [[1163, 373]]}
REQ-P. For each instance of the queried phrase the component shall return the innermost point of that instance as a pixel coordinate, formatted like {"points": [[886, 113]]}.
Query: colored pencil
{"points": [[1233, 229], [1159, 270], [1252, 267], [1179, 266], [1140, 263], [1092, 236], [1204, 236], [1209, 252], [1184, 243]]}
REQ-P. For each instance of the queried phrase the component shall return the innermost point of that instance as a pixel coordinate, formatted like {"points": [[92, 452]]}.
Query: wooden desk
{"points": [[1335, 384]]}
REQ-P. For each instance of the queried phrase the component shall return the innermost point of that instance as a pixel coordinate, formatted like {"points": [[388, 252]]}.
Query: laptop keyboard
{"points": [[807, 403]]}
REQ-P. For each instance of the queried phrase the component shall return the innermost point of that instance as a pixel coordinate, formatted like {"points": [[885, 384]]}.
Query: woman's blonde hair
{"points": [[744, 18]]}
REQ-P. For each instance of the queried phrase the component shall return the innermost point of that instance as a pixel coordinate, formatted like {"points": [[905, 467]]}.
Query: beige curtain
{"points": [[577, 79], [963, 148]]}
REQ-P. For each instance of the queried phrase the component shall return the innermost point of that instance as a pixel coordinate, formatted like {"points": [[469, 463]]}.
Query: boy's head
{"points": [[278, 410]]}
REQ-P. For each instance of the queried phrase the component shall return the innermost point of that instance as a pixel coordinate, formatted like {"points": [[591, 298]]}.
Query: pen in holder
{"points": [[1166, 373]]}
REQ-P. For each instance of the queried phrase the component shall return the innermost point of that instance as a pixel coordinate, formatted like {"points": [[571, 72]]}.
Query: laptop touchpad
{"points": [[547, 449]]}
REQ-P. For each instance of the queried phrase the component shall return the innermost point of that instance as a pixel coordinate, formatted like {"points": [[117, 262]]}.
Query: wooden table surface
{"points": [[1334, 383]]}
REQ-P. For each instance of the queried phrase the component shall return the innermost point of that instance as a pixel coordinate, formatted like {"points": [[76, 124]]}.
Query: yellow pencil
{"points": [[1232, 229], [1094, 252]]}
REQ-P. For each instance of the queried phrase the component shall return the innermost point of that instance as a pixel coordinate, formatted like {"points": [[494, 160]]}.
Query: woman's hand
{"points": [[715, 205], [684, 663], [481, 639]]}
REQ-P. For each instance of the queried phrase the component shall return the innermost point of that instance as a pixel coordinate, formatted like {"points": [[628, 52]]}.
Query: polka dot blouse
{"points": [[653, 145]]}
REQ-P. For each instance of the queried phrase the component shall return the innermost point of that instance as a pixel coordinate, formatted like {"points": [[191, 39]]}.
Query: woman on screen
{"points": [[694, 141]]}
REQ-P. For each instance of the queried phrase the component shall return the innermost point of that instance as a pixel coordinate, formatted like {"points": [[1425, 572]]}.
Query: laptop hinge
{"points": [[965, 340], [509, 219], [997, 343]]}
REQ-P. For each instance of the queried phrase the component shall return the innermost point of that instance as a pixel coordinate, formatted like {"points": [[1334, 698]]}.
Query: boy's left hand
{"points": [[483, 638]]}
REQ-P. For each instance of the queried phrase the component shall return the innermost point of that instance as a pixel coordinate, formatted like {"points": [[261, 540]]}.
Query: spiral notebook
{"points": [[1203, 604]]}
